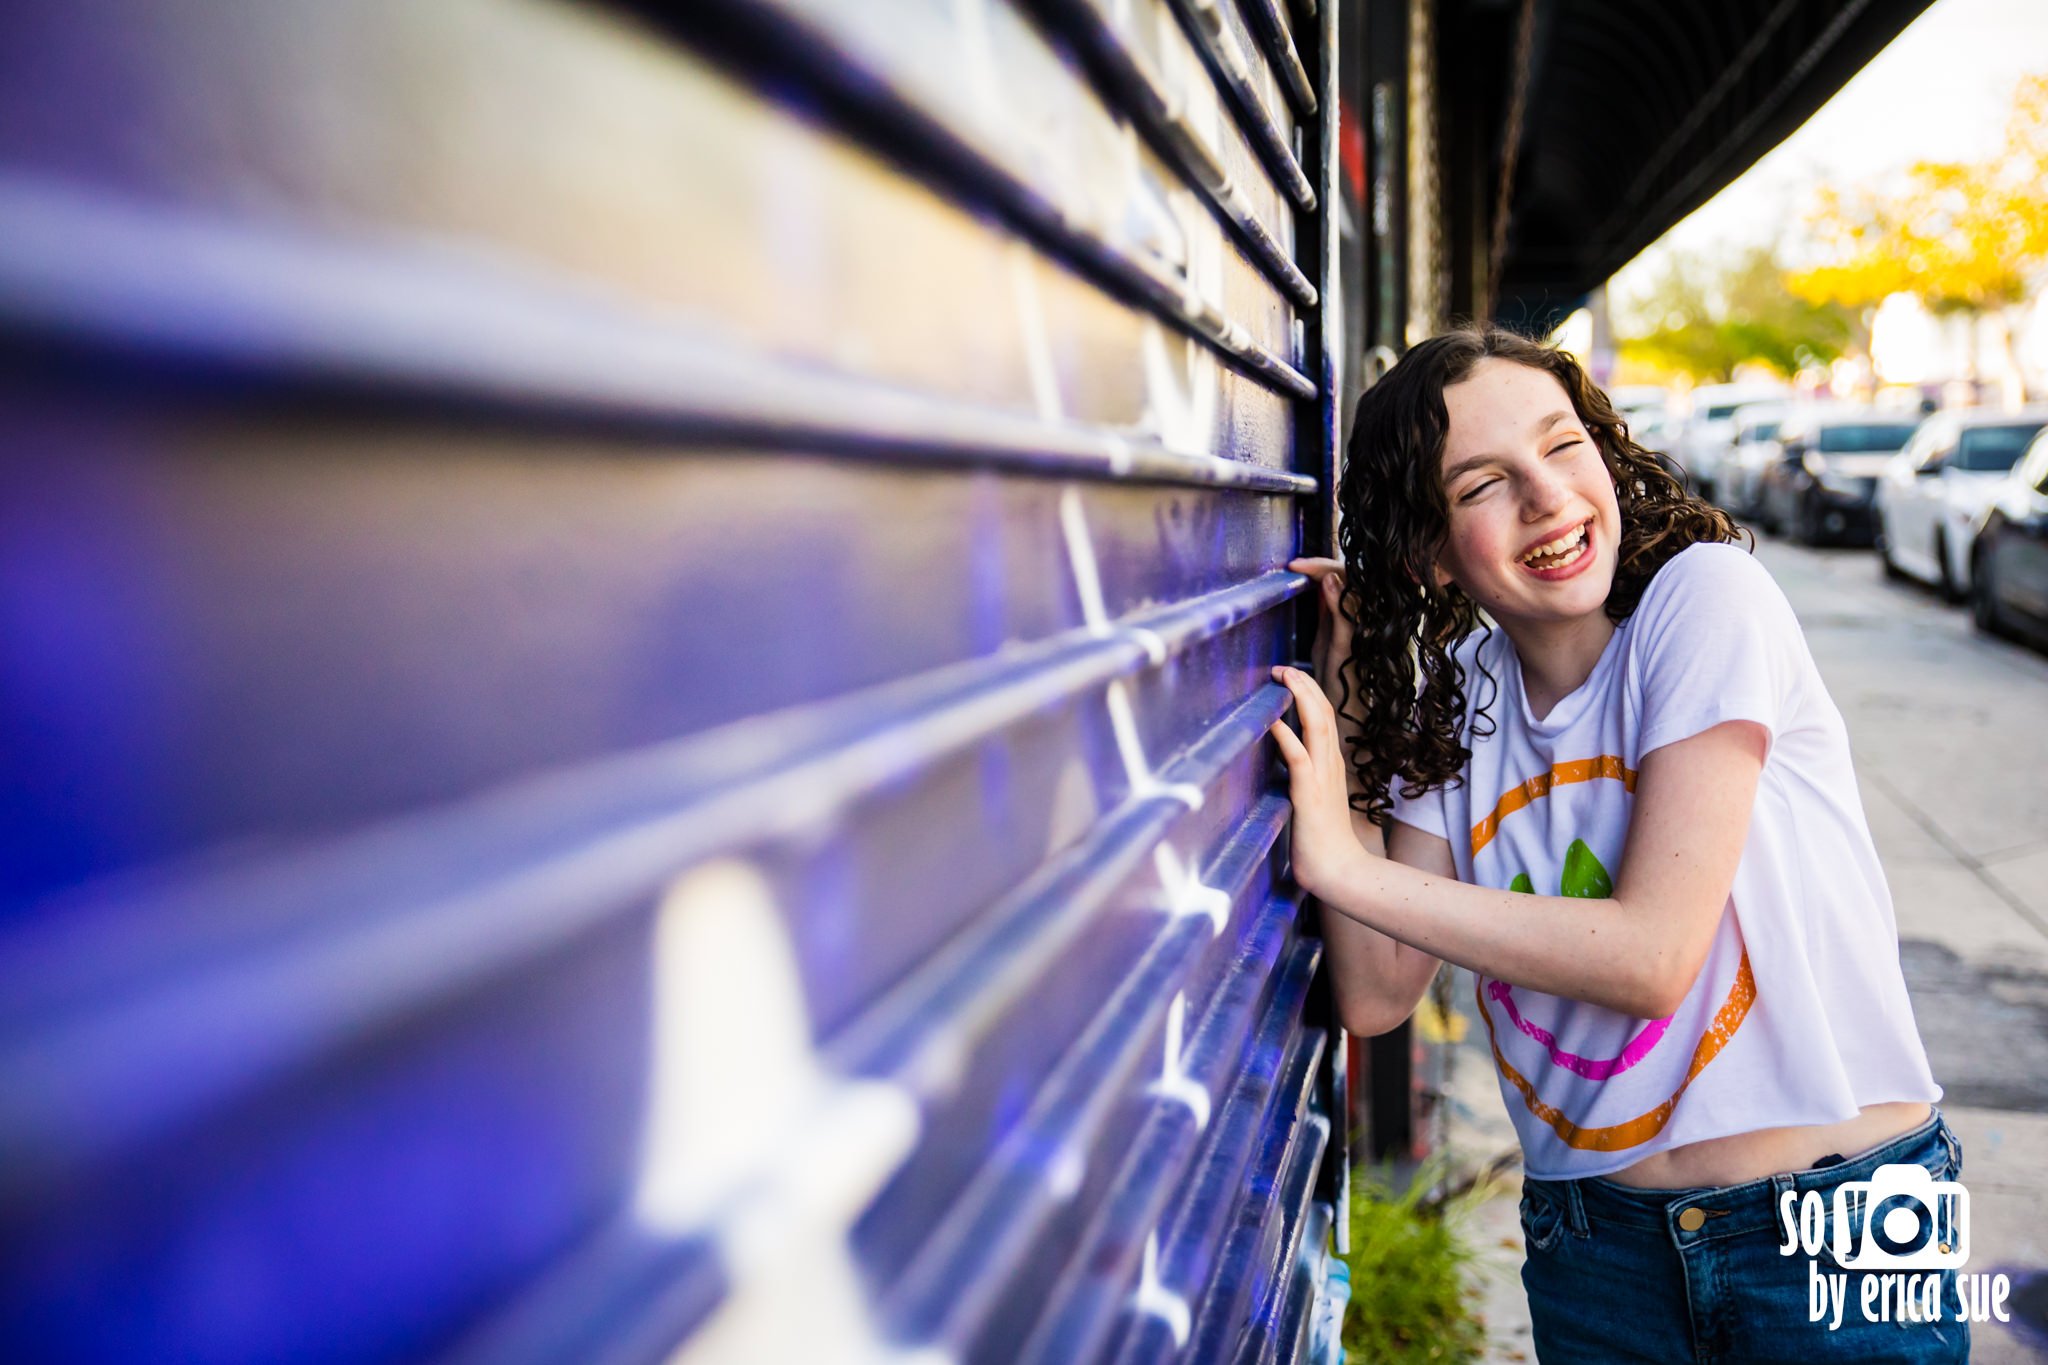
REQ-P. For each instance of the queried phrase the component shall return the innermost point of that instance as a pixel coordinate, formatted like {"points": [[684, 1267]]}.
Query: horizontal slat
{"points": [[570, 141], [915, 1033], [822, 43], [371, 1204], [1130, 84], [1266, 18], [311, 1001], [1208, 26], [1192, 1236], [1282, 1174], [916, 1036], [1291, 1324], [458, 897], [625, 1296], [943, 1294], [1287, 1216], [1098, 1283], [297, 309]]}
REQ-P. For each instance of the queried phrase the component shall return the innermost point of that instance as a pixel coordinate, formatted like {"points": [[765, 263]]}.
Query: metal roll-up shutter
{"points": [[635, 679]]}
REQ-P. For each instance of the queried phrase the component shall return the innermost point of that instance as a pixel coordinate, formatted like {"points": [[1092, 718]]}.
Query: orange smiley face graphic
{"points": [[1584, 876]]}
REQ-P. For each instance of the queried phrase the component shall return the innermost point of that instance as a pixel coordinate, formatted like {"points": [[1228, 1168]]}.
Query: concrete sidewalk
{"points": [[1950, 734]]}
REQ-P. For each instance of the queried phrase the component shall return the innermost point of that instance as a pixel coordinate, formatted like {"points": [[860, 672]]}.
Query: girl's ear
{"points": [[1437, 571]]}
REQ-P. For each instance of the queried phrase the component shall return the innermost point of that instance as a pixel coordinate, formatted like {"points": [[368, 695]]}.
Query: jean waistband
{"points": [[1736, 1209]]}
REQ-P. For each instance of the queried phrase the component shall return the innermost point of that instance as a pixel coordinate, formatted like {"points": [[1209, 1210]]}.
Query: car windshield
{"points": [[1992, 449], [1721, 413], [1762, 431], [1864, 438]]}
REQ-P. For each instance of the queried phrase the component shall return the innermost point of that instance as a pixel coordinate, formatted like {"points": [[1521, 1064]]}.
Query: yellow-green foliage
{"points": [[1965, 237], [1409, 1282]]}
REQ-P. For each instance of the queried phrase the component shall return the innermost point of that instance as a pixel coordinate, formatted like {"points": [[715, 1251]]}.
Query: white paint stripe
{"points": [[1185, 893], [1066, 1172], [1081, 560], [750, 1138], [1152, 643], [1154, 1300], [1123, 721], [1036, 340], [1174, 1083]]}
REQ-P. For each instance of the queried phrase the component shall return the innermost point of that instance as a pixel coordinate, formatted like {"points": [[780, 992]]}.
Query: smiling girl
{"points": [[1623, 799]]}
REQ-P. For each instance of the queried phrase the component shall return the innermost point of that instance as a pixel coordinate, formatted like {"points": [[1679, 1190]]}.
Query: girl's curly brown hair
{"points": [[1395, 517]]}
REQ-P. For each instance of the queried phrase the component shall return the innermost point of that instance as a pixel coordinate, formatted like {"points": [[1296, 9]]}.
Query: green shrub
{"points": [[1409, 1263]]}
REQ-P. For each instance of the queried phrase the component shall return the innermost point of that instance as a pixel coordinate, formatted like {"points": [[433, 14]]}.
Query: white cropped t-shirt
{"points": [[1800, 1015]]}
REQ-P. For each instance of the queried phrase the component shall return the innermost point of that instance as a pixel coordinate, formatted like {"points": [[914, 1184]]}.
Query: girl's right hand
{"points": [[1333, 626], [1325, 847]]}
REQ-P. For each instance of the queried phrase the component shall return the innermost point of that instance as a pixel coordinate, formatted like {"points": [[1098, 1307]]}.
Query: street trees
{"points": [[1704, 318], [1967, 239]]}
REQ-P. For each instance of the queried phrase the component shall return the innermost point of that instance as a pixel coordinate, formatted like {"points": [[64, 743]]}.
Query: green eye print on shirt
{"points": [[1583, 876]]}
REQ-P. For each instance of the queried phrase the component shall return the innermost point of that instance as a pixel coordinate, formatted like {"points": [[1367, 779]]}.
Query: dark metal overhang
{"points": [[1639, 111]]}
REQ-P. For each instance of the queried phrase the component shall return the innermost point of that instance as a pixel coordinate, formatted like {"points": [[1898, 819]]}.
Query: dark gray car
{"points": [[1822, 487]]}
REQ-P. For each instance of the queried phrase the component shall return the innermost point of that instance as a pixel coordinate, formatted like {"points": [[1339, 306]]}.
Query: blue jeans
{"points": [[1617, 1274]]}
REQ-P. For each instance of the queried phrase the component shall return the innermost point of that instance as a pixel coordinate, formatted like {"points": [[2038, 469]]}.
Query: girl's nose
{"points": [[1545, 493]]}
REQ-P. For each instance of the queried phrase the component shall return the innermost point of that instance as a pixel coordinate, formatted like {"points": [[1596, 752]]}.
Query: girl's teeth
{"points": [[1559, 552]]}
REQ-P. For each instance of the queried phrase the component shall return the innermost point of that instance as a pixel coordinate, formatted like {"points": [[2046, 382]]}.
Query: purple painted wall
{"points": [[633, 666]]}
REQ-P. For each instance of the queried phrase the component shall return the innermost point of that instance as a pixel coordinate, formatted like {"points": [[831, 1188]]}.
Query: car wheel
{"points": [[1884, 554], [1984, 612], [1946, 582]]}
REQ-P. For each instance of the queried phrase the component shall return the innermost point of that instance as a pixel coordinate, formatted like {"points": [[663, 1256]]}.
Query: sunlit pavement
{"points": [[1950, 733]]}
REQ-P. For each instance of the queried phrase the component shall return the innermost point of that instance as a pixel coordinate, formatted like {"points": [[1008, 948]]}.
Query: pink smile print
{"points": [[1592, 1068], [1583, 876]]}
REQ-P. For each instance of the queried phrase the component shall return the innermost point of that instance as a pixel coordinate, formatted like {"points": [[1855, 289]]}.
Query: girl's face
{"points": [[1534, 524]]}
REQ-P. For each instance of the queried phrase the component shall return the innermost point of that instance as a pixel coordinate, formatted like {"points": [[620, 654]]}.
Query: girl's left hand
{"points": [[1324, 845]]}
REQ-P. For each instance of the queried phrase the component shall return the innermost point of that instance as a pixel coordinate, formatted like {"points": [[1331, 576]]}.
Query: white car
{"points": [[1710, 429], [1639, 402], [1738, 477], [1934, 491], [1659, 433]]}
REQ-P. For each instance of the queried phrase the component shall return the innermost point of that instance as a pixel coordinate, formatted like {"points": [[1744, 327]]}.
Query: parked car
{"points": [[1711, 427], [1740, 474], [1639, 402], [1660, 432], [2009, 554], [1823, 484], [1935, 490]]}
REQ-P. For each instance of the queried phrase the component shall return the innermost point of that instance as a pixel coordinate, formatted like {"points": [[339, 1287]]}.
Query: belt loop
{"points": [[1575, 1208], [1782, 1184]]}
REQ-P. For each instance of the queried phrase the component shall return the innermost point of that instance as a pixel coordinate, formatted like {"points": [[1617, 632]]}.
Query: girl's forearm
{"points": [[1377, 979], [1365, 964], [1597, 951]]}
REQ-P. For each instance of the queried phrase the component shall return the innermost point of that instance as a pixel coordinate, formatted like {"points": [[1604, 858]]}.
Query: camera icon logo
{"points": [[1911, 1221]]}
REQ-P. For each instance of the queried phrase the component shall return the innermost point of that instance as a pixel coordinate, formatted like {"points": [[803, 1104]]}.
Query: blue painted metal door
{"points": [[634, 676]]}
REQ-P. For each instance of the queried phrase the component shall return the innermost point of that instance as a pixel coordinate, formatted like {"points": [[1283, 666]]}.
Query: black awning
{"points": [[1639, 111]]}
